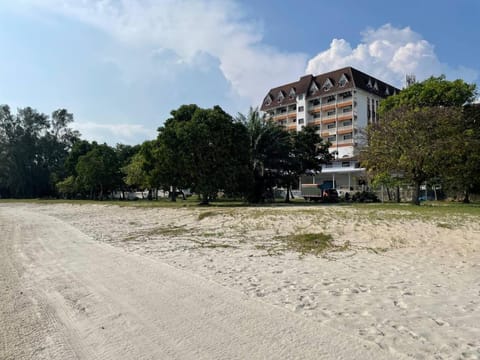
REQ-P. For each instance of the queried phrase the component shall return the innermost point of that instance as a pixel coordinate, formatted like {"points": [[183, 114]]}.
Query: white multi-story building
{"points": [[340, 104]]}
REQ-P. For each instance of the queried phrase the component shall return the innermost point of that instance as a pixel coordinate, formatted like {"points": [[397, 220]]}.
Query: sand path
{"points": [[66, 296]]}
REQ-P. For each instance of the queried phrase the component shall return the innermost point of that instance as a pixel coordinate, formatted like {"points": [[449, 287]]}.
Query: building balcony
{"points": [[345, 130], [345, 116], [328, 107], [345, 103], [330, 120]]}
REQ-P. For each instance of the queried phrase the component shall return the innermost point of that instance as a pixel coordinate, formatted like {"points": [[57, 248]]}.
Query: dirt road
{"points": [[65, 296]]}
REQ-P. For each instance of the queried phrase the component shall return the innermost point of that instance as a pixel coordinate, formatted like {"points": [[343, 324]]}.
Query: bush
{"points": [[365, 197]]}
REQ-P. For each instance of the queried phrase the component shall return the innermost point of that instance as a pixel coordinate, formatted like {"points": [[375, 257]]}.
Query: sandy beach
{"points": [[110, 282]]}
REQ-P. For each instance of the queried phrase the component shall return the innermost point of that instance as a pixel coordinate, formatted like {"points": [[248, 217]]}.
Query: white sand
{"points": [[405, 286]]}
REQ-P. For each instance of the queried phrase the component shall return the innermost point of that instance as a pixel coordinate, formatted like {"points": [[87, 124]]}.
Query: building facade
{"points": [[339, 104]]}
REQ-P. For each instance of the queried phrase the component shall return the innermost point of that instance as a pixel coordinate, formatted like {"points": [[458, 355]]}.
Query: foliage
{"points": [[434, 91], [98, 171], [33, 149], [365, 197], [412, 142], [464, 173], [277, 157], [203, 149]]}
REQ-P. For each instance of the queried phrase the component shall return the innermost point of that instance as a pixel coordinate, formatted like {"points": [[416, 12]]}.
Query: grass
{"points": [[206, 214], [311, 243], [445, 226], [160, 231]]}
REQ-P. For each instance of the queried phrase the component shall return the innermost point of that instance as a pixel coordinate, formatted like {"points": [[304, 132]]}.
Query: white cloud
{"points": [[186, 29], [114, 133], [388, 53]]}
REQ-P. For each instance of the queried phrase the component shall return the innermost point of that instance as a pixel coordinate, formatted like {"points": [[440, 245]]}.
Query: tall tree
{"points": [[269, 148], [203, 149], [308, 153], [434, 91], [415, 143], [463, 176], [99, 171]]}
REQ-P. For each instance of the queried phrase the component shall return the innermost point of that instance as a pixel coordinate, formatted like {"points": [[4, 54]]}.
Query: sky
{"points": [[121, 66]]}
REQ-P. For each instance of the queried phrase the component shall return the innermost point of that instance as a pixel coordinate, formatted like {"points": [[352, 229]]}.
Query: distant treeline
{"points": [[205, 150]]}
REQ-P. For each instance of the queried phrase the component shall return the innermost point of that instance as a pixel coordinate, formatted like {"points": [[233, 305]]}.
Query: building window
{"points": [[268, 100], [343, 80], [331, 126], [280, 97], [331, 112], [300, 97], [332, 138], [345, 163], [301, 121], [283, 110], [316, 115], [375, 86], [292, 93], [347, 109], [330, 98], [347, 123], [347, 136], [317, 127], [314, 102], [300, 109], [327, 85], [313, 88]]}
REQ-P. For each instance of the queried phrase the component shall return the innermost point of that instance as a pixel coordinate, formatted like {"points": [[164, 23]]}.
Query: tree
{"points": [[203, 149], [464, 173], [308, 153], [434, 91], [414, 143], [278, 157], [98, 171], [269, 149]]}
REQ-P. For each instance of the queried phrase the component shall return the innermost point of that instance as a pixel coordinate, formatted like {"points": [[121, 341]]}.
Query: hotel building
{"points": [[339, 104]]}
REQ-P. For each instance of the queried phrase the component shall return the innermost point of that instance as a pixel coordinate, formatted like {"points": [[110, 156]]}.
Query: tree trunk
{"points": [[466, 197], [398, 194], [173, 196], [416, 193], [204, 199], [287, 196]]}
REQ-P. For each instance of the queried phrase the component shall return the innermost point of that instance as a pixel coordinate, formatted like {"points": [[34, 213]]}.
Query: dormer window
{"points": [[268, 100], [292, 93], [280, 96], [387, 91], [327, 85], [343, 80], [313, 88], [369, 83], [375, 86]]}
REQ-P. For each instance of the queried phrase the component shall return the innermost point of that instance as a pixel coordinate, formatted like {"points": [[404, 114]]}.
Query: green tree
{"points": [[464, 173], [414, 143], [269, 149], [203, 149], [98, 171], [434, 91]]}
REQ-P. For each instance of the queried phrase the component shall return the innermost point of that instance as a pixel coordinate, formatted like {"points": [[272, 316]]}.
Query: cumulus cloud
{"points": [[186, 29], [388, 53]]}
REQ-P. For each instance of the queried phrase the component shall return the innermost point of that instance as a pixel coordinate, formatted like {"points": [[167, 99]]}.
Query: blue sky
{"points": [[121, 66]]}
